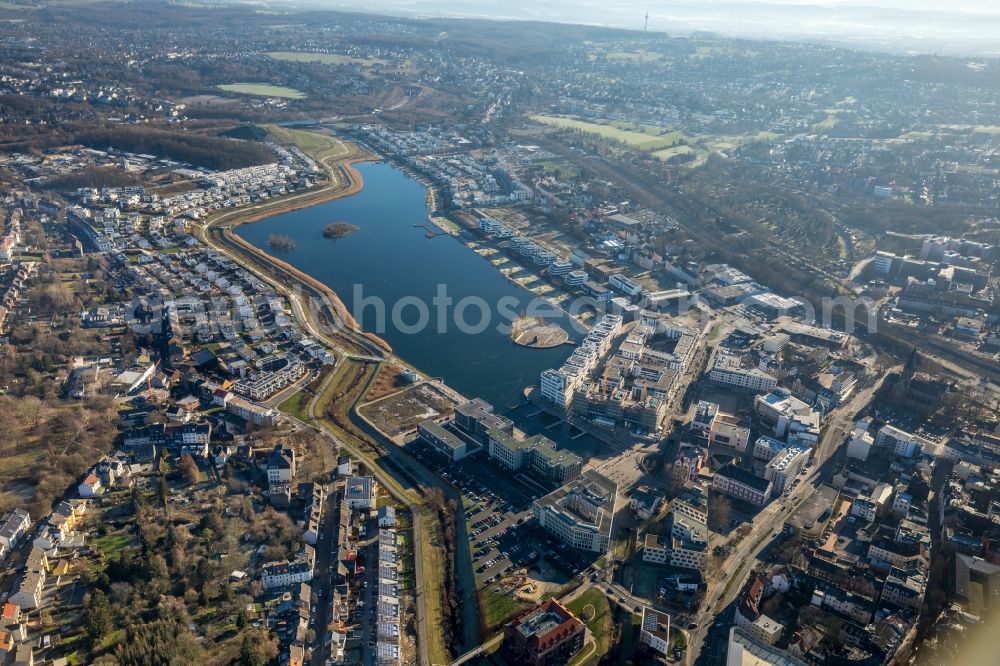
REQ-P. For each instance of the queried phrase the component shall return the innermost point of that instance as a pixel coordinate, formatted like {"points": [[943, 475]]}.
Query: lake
{"points": [[391, 260]]}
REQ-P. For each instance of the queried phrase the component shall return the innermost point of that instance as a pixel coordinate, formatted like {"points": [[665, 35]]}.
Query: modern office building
{"points": [[476, 418], [537, 454], [442, 440], [625, 285], [580, 513]]}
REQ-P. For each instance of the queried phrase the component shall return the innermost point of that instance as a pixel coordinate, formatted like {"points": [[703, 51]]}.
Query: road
{"points": [[725, 585], [388, 483], [326, 549]]}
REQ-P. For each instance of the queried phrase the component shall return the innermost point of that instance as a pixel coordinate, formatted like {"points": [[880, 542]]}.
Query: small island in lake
{"points": [[338, 229], [282, 243]]}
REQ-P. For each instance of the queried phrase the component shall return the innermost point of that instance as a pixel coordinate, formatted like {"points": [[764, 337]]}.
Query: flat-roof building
{"points": [[580, 513], [537, 454], [655, 630], [741, 484], [729, 371], [547, 635], [476, 418], [443, 441]]}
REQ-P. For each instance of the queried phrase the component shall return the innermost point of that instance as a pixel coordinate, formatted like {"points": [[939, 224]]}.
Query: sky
{"points": [[962, 27], [989, 7]]}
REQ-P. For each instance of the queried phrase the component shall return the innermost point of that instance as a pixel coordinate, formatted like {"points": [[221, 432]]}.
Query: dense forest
{"points": [[200, 150], [205, 151], [92, 177]]}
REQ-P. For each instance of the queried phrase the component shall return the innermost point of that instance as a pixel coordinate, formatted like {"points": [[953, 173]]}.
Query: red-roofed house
{"points": [[11, 613], [91, 486]]}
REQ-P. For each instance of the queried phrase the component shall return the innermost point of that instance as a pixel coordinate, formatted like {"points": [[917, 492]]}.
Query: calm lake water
{"points": [[391, 259]]}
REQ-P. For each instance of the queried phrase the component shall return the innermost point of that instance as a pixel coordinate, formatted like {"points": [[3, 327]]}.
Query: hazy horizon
{"points": [[966, 27]]}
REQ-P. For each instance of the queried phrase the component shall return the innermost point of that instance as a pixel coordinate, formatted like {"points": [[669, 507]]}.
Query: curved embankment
{"points": [[347, 329]]}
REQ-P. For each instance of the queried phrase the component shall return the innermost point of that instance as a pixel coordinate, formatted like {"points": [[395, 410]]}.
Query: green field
{"points": [[667, 153], [975, 129], [262, 90], [496, 608], [634, 56], [296, 405], [662, 142], [828, 123], [641, 137], [323, 58], [592, 607], [318, 144], [111, 545]]}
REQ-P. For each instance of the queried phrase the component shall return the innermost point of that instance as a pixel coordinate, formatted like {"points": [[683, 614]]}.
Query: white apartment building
{"points": [[13, 528], [728, 371], [580, 513], [898, 442], [784, 467], [264, 384], [883, 262], [558, 385], [860, 443], [625, 285], [283, 574], [655, 630], [359, 492]]}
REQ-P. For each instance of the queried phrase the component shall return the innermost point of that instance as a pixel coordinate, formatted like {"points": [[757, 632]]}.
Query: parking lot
{"points": [[497, 506]]}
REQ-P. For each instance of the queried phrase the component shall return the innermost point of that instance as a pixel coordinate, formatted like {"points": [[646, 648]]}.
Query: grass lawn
{"points": [[262, 90], [433, 580], [496, 608], [829, 123], [316, 144], [667, 153], [702, 52], [663, 142], [323, 58], [112, 639], [296, 405], [636, 56], [975, 129], [592, 607], [111, 545], [565, 169], [12, 466], [445, 223], [640, 140]]}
